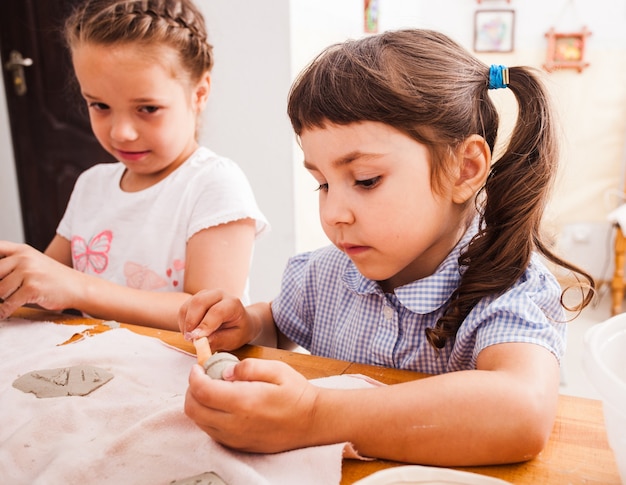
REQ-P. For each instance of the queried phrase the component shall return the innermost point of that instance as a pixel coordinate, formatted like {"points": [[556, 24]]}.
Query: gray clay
{"points": [[217, 363], [77, 380]]}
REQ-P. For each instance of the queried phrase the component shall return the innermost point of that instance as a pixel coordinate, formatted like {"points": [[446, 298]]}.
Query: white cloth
{"points": [[618, 216], [139, 239], [133, 429]]}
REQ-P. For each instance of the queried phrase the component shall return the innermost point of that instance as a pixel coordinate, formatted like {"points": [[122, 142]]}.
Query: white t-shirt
{"points": [[139, 239]]}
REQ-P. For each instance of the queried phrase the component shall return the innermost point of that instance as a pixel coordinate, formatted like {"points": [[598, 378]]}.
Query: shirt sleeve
{"points": [[223, 194], [293, 309], [529, 312], [64, 229]]}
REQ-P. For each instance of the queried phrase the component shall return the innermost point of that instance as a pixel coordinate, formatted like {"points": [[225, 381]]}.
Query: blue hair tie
{"points": [[498, 77]]}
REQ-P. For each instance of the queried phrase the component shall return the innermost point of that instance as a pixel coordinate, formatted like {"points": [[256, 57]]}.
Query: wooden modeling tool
{"points": [[203, 350], [213, 364]]}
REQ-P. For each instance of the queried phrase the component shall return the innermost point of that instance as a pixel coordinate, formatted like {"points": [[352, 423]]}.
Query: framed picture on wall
{"points": [[370, 16], [494, 30], [566, 50]]}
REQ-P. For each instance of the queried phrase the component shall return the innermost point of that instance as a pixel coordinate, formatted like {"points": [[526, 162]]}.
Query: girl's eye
{"points": [[368, 183], [149, 109], [322, 187], [98, 106]]}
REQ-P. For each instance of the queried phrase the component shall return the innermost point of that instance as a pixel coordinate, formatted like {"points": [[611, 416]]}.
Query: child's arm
{"points": [[217, 257], [220, 257], [60, 250], [502, 412], [28, 276]]}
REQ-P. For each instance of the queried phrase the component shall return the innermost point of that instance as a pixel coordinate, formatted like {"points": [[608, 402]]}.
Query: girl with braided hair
{"points": [[171, 217], [435, 267]]}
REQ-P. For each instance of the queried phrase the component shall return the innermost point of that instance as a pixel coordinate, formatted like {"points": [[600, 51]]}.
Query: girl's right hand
{"points": [[220, 317], [261, 406], [28, 276]]}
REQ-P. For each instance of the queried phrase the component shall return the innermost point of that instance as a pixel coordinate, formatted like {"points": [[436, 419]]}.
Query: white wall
{"points": [[246, 119], [260, 46]]}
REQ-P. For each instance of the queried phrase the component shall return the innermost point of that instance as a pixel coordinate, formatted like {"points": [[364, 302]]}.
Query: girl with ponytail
{"points": [[436, 266]]}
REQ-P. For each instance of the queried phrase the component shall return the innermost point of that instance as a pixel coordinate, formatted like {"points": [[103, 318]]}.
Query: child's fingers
{"points": [[197, 310], [260, 370]]}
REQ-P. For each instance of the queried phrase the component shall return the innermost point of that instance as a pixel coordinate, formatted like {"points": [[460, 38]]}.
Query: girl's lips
{"points": [[353, 250], [132, 156]]}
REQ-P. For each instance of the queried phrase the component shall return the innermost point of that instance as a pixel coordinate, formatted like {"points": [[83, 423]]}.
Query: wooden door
{"points": [[52, 138]]}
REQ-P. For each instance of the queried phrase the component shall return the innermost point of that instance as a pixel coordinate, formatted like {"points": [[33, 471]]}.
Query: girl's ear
{"points": [[201, 92], [474, 158]]}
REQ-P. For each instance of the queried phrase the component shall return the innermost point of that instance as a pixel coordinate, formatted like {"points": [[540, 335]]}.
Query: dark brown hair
{"points": [[429, 87], [175, 23]]}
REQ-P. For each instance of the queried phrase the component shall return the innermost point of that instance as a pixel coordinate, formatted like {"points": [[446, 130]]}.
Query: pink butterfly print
{"points": [[93, 255], [142, 277]]}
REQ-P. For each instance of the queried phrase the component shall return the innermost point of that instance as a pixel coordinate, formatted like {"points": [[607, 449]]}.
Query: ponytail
{"points": [[515, 196]]}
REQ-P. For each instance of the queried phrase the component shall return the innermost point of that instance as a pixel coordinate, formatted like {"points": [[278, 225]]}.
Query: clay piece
{"points": [[207, 478], [217, 363], [78, 380]]}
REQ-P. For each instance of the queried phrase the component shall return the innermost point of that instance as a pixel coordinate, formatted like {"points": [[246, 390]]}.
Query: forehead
{"points": [[129, 56], [342, 144], [121, 73]]}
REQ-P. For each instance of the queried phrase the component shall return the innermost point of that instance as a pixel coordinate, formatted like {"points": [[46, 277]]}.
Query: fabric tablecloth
{"points": [[133, 429]]}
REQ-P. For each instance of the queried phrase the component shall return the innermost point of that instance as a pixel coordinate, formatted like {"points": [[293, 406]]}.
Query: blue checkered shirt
{"points": [[329, 308]]}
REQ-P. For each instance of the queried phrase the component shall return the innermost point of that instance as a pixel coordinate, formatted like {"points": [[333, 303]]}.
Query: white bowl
{"points": [[427, 475], [604, 361]]}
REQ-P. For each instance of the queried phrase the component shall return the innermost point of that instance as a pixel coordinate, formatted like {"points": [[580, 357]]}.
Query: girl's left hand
{"points": [[260, 406]]}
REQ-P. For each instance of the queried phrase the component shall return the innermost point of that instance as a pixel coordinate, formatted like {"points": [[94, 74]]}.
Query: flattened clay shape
{"points": [[77, 380], [207, 478]]}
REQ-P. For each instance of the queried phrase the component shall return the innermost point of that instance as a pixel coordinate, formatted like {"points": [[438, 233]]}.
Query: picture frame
{"points": [[370, 16], [494, 30], [566, 50]]}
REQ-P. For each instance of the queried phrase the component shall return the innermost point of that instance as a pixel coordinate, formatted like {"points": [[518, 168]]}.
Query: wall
{"points": [[246, 119], [260, 46]]}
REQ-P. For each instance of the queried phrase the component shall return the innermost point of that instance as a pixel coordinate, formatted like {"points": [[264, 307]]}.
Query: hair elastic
{"points": [[498, 77]]}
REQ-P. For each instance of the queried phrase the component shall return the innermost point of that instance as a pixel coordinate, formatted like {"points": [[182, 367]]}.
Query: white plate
{"points": [[426, 475]]}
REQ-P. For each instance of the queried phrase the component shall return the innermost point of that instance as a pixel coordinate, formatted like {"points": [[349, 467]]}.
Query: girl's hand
{"points": [[260, 406], [220, 317], [29, 276]]}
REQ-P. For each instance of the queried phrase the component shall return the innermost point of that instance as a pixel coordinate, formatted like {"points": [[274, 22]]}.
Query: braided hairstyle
{"points": [[175, 23], [430, 88]]}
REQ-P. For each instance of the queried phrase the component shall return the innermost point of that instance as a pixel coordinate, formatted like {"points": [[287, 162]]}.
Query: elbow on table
{"points": [[532, 431], [532, 443]]}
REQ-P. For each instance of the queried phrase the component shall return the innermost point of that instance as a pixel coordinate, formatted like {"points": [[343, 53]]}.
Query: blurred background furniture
{"points": [[618, 284]]}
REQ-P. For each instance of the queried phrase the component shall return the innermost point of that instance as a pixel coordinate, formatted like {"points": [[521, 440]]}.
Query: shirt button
{"points": [[388, 312]]}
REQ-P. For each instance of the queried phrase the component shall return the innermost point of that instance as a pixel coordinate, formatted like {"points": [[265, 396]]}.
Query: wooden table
{"points": [[577, 452]]}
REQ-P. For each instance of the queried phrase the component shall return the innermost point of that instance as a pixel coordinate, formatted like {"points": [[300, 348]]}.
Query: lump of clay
{"points": [[215, 365], [77, 380], [208, 478]]}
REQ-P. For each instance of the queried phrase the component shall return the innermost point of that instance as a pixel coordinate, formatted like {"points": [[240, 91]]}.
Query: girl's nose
{"points": [[335, 209], [122, 129]]}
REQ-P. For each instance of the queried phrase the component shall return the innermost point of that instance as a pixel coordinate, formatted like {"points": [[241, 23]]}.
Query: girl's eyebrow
{"points": [[345, 159], [137, 100]]}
